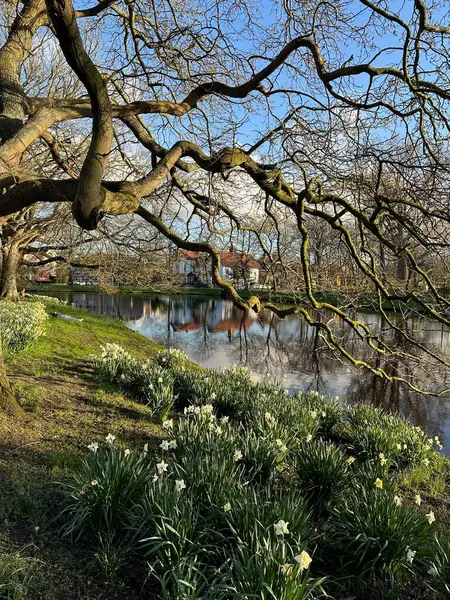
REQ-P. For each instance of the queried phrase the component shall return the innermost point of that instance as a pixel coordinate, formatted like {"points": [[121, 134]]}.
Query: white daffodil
{"points": [[418, 499], [281, 528], [309, 437], [145, 447], [168, 424], [155, 478], [94, 482], [304, 560], [268, 417], [162, 467], [179, 485], [281, 445], [127, 452], [430, 517], [351, 460], [383, 459], [110, 438], [410, 554], [93, 447], [164, 445], [172, 445], [237, 455], [227, 507], [398, 500]]}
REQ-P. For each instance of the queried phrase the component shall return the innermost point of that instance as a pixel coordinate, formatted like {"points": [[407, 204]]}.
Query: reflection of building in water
{"points": [[191, 314]]}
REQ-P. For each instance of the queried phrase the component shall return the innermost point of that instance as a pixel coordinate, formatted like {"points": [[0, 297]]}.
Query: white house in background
{"points": [[241, 269], [194, 267]]}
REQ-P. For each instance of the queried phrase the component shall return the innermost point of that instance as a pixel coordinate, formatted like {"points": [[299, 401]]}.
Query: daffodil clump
{"points": [[172, 359], [46, 299], [21, 324], [251, 490], [374, 433], [195, 515], [144, 381]]}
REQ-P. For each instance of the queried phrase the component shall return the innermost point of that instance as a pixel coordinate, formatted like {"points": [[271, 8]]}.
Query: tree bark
{"points": [[11, 260]]}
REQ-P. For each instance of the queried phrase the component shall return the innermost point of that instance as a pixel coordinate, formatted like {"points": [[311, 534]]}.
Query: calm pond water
{"points": [[214, 333]]}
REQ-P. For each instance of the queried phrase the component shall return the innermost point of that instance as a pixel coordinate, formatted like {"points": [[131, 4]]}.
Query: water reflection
{"points": [[214, 333]]}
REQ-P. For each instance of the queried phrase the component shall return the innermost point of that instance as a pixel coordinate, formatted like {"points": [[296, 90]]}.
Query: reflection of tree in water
{"points": [[427, 412]]}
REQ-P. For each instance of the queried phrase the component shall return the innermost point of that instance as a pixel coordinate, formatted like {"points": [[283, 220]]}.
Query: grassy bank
{"points": [[253, 489], [66, 409]]}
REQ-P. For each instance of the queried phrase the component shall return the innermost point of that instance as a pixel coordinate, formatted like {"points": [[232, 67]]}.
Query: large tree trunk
{"points": [[11, 260]]}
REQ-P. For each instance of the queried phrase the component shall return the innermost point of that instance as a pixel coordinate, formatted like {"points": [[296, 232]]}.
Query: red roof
{"points": [[234, 260], [232, 325], [189, 254], [188, 327]]}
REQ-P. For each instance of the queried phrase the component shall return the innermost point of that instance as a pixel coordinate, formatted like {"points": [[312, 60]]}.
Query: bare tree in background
{"points": [[216, 118]]}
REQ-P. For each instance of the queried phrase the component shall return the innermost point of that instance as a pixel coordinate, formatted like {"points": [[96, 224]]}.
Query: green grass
{"points": [[66, 409]]}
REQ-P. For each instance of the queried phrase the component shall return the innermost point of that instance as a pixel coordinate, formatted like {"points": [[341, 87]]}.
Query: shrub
{"points": [[21, 324], [373, 532], [323, 472]]}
